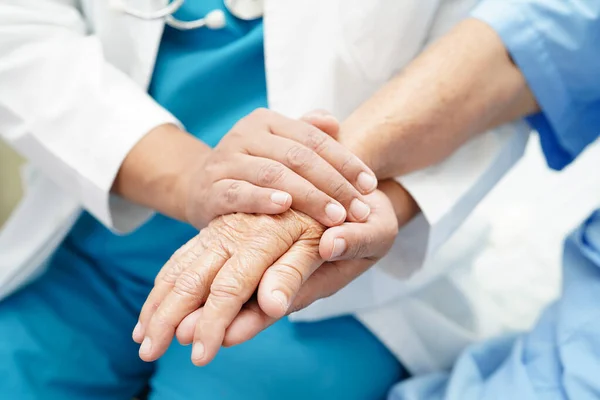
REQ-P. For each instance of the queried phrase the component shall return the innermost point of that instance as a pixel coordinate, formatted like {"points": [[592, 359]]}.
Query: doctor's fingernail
{"points": [[146, 347], [335, 212], [137, 332], [339, 247], [280, 198], [197, 351], [281, 298], [359, 210], [366, 182]]}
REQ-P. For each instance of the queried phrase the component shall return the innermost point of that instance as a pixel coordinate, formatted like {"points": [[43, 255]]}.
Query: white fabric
{"points": [[74, 75], [503, 265]]}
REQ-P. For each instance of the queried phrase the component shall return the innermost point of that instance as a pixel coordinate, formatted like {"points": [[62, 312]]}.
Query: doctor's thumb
{"points": [[347, 242], [324, 121], [282, 281]]}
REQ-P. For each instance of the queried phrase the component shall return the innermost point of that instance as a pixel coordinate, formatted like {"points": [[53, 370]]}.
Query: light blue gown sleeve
{"points": [[556, 44]]}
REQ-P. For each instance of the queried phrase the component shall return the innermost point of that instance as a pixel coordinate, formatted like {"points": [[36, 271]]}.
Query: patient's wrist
{"points": [[405, 207]]}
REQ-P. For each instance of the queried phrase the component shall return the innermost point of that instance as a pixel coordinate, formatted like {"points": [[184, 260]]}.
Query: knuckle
{"points": [[182, 258], [161, 321], [190, 284], [229, 288], [312, 196], [234, 134], [347, 166], [171, 273], [290, 276], [339, 189], [270, 173], [212, 169], [315, 139], [237, 137], [299, 157], [150, 308], [232, 193], [360, 248]]}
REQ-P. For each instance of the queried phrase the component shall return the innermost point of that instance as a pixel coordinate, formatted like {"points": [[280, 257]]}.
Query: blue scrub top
{"points": [[208, 79]]}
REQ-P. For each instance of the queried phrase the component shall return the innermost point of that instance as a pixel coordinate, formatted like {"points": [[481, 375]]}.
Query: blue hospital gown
{"points": [[556, 44]]}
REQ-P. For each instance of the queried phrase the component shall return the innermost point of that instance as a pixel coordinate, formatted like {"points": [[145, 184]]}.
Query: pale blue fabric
{"points": [[556, 43], [558, 359], [68, 335]]}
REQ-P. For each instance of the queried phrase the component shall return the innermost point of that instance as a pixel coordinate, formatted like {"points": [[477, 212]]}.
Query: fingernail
{"points": [[359, 210], [198, 351], [366, 182], [281, 298], [280, 198], [146, 346], [336, 213], [339, 247], [137, 331]]}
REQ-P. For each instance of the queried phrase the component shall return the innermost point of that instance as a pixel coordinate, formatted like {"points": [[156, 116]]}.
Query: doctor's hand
{"points": [[219, 271], [351, 249], [268, 163]]}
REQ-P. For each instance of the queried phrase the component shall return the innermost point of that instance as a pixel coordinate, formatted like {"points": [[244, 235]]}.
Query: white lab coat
{"points": [[73, 101]]}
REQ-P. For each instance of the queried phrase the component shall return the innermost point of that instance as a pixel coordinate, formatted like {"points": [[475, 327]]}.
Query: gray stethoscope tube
{"points": [[243, 9]]}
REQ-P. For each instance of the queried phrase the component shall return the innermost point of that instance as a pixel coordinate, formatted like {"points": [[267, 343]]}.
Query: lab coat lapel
{"points": [[129, 43], [291, 27], [334, 54]]}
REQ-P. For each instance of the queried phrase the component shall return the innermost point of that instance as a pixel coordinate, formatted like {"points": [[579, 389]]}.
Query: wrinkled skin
{"points": [[205, 292], [221, 269]]}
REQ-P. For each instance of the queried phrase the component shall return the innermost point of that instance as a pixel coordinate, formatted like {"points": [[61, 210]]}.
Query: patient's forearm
{"points": [[462, 85]]}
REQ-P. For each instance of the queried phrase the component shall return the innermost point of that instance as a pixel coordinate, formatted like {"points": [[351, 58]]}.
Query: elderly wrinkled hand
{"points": [[228, 261], [350, 250], [219, 270]]}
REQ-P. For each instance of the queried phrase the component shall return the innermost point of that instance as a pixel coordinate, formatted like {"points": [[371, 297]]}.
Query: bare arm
{"points": [[464, 84]]}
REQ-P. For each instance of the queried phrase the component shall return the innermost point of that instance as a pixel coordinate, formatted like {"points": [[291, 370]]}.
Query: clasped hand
{"points": [[245, 271]]}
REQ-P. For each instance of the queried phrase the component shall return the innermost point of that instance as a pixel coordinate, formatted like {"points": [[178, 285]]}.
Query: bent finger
{"points": [[352, 168], [164, 281], [189, 292], [371, 239], [308, 164], [230, 196], [306, 197], [282, 281], [232, 287]]}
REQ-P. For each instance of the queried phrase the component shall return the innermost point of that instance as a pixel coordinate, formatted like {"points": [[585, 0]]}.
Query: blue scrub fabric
{"points": [[68, 335], [555, 43]]}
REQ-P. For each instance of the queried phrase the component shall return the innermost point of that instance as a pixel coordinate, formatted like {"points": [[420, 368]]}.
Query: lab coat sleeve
{"points": [[69, 112], [447, 193], [555, 45]]}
